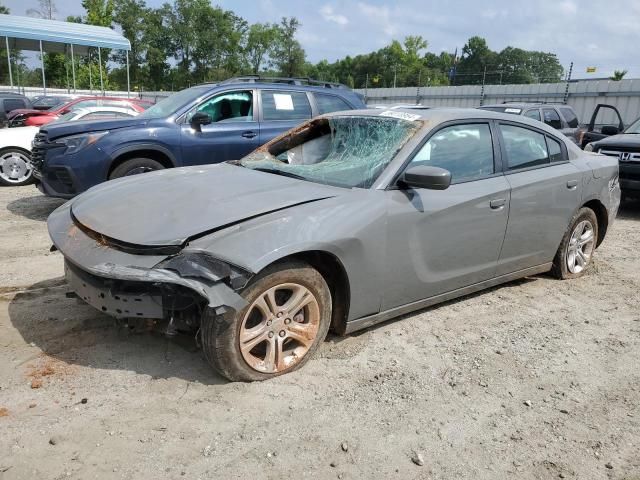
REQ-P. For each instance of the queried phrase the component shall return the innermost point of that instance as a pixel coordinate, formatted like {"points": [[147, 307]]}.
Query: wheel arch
{"points": [[153, 152], [15, 147], [334, 273], [602, 215]]}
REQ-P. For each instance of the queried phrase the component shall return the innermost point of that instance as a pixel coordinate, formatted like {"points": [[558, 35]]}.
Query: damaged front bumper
{"points": [[124, 284]]}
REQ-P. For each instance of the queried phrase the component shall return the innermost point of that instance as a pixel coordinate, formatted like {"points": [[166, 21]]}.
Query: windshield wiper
{"points": [[275, 171]]}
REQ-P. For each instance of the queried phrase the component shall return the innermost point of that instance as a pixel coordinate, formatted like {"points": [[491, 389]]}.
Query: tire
{"points": [[15, 167], [263, 333], [577, 247], [135, 166]]}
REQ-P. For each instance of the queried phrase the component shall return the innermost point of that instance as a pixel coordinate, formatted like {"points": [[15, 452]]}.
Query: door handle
{"points": [[249, 134], [497, 203], [572, 184]]}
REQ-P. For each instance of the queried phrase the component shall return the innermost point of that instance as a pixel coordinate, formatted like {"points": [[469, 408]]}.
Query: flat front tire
{"points": [[578, 245], [287, 317]]}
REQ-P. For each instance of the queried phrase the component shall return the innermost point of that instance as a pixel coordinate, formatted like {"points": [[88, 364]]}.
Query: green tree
{"points": [[4, 10], [131, 15], [260, 40], [99, 12], [288, 57], [618, 75]]}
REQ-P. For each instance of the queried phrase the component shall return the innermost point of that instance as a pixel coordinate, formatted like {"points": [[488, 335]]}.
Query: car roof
{"points": [[438, 115], [102, 109], [523, 105]]}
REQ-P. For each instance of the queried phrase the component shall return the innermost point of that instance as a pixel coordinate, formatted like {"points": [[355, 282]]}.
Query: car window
{"points": [[83, 104], [555, 150], [234, 106], [283, 105], [104, 115], [570, 116], [525, 148], [330, 103], [535, 114], [13, 104], [116, 103], [464, 150], [551, 118]]}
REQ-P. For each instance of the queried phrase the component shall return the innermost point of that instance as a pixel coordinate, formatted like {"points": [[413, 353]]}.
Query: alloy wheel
{"points": [[580, 247], [279, 328], [15, 167]]}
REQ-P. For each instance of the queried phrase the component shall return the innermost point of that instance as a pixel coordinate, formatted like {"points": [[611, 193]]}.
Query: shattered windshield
{"points": [[349, 151]]}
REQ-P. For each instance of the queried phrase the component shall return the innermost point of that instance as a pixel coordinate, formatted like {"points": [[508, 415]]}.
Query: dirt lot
{"points": [[536, 379]]}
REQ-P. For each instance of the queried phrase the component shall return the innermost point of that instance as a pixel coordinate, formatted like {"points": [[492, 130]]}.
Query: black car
{"points": [[626, 148], [11, 101]]}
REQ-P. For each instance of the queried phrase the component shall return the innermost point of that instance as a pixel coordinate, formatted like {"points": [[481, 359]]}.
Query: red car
{"points": [[36, 118]]}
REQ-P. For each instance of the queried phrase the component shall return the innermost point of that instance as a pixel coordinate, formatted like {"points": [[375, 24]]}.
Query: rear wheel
{"points": [[287, 317], [135, 166], [578, 245], [15, 167]]}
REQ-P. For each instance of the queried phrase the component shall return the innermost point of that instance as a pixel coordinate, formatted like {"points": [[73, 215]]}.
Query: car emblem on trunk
{"points": [[624, 156]]}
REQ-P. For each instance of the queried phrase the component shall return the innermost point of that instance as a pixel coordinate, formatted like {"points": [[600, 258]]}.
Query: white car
{"points": [[15, 143]]}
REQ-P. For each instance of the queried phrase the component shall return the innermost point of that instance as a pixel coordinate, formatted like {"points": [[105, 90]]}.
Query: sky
{"points": [[589, 33]]}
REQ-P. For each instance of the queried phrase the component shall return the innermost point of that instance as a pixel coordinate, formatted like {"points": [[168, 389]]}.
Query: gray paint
{"points": [[401, 249]]}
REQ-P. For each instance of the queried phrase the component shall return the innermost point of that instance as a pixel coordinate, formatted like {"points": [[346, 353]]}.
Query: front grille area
{"points": [[623, 155], [38, 150]]}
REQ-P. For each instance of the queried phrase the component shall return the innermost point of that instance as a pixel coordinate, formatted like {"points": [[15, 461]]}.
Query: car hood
{"points": [[170, 207], [625, 140], [63, 129], [26, 111]]}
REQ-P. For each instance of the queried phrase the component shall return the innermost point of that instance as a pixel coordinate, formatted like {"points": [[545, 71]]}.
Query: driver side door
{"points": [[233, 132], [443, 240]]}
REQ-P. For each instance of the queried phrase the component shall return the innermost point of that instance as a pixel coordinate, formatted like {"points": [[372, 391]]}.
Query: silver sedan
{"points": [[348, 220]]}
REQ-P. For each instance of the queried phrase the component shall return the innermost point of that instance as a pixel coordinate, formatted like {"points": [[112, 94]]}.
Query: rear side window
{"points": [[570, 117], [465, 150], [283, 105], [535, 114], [555, 151], [551, 118], [330, 103], [13, 104], [525, 148]]}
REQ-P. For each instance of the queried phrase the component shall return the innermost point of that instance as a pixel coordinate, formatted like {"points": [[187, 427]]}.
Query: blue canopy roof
{"points": [[25, 33]]}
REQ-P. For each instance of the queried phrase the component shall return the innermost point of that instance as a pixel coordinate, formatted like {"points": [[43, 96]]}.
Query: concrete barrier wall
{"points": [[583, 96]]}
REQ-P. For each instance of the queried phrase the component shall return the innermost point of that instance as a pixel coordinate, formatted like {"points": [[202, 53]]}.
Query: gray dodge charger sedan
{"points": [[348, 220]]}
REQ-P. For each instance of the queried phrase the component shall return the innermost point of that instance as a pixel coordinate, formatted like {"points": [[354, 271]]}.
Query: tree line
{"points": [[192, 41]]}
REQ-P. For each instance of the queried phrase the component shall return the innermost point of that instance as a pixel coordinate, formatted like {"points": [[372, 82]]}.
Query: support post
{"points": [[128, 84], [484, 77], [100, 62], [90, 78], [73, 69], [44, 81], [566, 90], [6, 40]]}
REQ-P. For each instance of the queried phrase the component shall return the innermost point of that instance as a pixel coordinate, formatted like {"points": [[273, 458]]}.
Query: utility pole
{"points": [[566, 90]]}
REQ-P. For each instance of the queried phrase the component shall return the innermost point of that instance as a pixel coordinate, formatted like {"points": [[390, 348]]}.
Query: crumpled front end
{"points": [[125, 280]]}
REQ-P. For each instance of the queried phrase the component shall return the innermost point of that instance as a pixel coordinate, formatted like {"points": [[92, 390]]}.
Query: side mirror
{"points": [[421, 176], [609, 130], [199, 119]]}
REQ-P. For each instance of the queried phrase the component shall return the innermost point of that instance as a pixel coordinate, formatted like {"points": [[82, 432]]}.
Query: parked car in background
{"points": [[625, 147], [15, 143], [47, 102], [36, 118], [595, 132], [209, 123], [559, 116], [9, 102], [347, 220]]}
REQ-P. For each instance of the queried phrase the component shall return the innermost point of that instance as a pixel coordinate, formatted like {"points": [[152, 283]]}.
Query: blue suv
{"points": [[204, 124]]}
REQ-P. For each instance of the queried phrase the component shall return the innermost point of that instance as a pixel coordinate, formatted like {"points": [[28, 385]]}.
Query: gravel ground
{"points": [[532, 380]]}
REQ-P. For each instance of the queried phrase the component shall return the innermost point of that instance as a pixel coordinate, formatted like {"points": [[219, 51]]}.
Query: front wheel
{"points": [[135, 166], [287, 316], [15, 167], [578, 245]]}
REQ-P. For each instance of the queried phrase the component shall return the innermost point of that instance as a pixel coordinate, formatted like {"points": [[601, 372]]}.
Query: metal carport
{"points": [[36, 34]]}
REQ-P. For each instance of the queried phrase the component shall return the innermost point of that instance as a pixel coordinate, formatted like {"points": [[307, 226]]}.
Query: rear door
{"points": [[546, 190], [442, 240], [572, 125], [281, 110], [233, 132]]}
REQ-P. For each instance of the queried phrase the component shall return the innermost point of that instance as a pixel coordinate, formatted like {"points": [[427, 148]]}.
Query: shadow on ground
{"points": [[629, 210], [77, 334], [37, 207]]}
